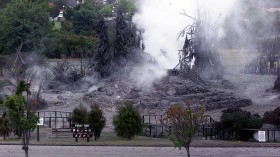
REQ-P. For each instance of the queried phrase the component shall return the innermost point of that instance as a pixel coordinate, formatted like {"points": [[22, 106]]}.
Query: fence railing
{"points": [[56, 119]]}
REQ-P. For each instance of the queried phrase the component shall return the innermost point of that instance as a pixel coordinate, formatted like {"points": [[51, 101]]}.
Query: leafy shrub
{"points": [[79, 115], [272, 117], [5, 126], [238, 120], [97, 120], [128, 121], [181, 124], [94, 117]]}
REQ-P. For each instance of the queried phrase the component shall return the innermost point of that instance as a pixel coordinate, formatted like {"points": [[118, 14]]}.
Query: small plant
{"points": [[272, 117], [181, 124], [5, 127], [128, 122], [97, 120], [23, 121], [94, 117], [79, 115], [238, 120]]}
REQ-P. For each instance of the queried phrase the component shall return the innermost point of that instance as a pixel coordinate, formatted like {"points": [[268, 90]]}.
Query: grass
{"points": [[107, 138]]}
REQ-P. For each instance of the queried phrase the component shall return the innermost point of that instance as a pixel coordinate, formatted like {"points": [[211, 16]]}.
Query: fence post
{"points": [[206, 130], [70, 121], [203, 127], [211, 131], [50, 122], [274, 135], [55, 118], [150, 130], [63, 122], [38, 131], [267, 135]]}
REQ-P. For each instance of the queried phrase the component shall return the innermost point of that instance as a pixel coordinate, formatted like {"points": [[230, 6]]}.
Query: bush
{"points": [[97, 120], [79, 115], [235, 118], [5, 126], [128, 122], [272, 117], [238, 120]]}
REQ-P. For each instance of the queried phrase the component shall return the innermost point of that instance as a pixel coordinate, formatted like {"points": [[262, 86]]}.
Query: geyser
{"points": [[162, 21]]}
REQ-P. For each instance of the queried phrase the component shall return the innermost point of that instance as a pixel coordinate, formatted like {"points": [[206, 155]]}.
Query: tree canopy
{"points": [[23, 24], [23, 121], [181, 124], [128, 121], [83, 17]]}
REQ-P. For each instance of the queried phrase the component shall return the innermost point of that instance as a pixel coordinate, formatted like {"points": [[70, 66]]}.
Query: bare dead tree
{"points": [[200, 51]]}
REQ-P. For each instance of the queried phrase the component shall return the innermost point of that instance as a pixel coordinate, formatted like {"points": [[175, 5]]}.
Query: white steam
{"points": [[162, 21], [145, 75]]}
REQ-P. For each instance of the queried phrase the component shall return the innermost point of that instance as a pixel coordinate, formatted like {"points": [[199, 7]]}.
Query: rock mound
{"points": [[170, 90]]}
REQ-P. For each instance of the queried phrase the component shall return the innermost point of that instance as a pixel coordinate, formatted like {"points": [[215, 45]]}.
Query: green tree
{"points": [[22, 119], [83, 17], [181, 124], [103, 56], [3, 3], [236, 119], [272, 117], [23, 24], [79, 115], [106, 11], [5, 127], [97, 120], [124, 37], [127, 6], [128, 121]]}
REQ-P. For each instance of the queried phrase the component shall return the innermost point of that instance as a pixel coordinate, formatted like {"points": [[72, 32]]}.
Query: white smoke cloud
{"points": [[162, 21]]}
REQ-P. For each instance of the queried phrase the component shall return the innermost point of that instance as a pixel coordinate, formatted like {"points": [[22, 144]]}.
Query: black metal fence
{"points": [[153, 126], [271, 135], [56, 119]]}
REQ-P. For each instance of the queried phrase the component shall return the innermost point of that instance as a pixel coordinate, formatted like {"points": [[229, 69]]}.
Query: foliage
{"points": [[5, 127], [272, 117], [97, 120], [238, 120], [94, 117], [103, 54], [127, 7], [3, 3], [181, 124], [54, 10], [235, 118], [83, 17], [23, 24], [124, 37], [128, 121], [65, 44], [79, 115], [106, 11], [23, 121]]}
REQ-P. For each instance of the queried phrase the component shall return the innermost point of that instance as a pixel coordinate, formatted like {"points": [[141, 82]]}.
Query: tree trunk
{"points": [[25, 142], [188, 150]]}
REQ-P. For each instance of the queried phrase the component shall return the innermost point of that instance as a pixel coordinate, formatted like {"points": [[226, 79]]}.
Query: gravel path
{"points": [[100, 151]]}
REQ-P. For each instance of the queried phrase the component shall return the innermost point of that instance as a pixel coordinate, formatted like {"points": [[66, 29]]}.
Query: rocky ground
{"points": [[236, 90]]}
